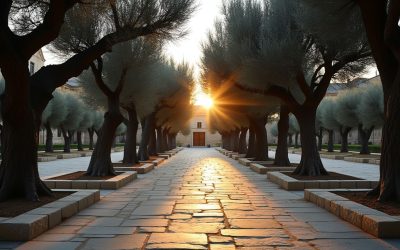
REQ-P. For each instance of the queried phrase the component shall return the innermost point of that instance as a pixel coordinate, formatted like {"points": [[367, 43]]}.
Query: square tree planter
{"points": [[31, 224], [335, 155], [142, 169], [289, 183], [113, 183], [261, 169], [245, 161], [155, 162], [237, 156], [372, 221]]}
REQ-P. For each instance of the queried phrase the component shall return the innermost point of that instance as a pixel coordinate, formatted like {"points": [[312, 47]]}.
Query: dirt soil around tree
{"points": [[390, 208], [332, 176], [81, 175], [15, 207], [275, 166], [125, 165]]}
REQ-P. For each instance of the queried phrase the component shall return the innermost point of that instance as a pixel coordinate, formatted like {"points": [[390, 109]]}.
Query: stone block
{"points": [[93, 184], [24, 227], [63, 184], [78, 184]]}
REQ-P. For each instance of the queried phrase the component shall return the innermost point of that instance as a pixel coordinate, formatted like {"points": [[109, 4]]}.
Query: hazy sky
{"points": [[188, 49]]}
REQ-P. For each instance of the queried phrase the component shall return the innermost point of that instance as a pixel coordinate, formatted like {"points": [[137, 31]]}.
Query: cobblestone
{"points": [[200, 199]]}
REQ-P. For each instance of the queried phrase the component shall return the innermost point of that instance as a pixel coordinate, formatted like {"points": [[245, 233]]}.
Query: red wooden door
{"points": [[199, 139]]}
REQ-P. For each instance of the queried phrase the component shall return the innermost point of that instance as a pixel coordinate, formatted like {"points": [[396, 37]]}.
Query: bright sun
{"points": [[204, 100]]}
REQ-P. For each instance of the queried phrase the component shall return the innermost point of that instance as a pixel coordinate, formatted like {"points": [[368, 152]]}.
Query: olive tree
{"points": [[347, 103], [380, 19], [74, 116], [52, 116], [328, 110], [370, 113], [296, 63], [28, 27]]}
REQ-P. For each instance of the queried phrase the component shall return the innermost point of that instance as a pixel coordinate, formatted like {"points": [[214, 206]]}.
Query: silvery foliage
{"points": [[347, 103], [86, 24], [121, 129], [274, 129], [370, 110], [56, 111], [328, 109], [290, 42], [75, 111], [293, 125]]}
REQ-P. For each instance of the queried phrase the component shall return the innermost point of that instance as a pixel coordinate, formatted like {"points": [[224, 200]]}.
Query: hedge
{"points": [[374, 148], [42, 147]]}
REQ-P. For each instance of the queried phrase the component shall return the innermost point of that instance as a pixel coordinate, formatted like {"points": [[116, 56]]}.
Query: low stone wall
{"points": [[372, 221]]}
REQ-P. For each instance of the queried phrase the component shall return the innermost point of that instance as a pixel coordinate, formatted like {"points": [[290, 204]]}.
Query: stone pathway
{"points": [[201, 199]]}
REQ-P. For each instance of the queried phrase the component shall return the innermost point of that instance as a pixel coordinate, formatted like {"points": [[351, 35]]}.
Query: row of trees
{"points": [[285, 50], [274, 50], [360, 108], [26, 28], [71, 115]]}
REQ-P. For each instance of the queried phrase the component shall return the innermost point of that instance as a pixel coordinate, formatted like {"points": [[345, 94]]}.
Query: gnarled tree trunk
{"points": [[330, 141], [296, 140], [365, 134], [49, 138], [164, 143], [79, 140], [146, 130], [130, 155], [91, 141], [290, 140], [251, 149], [100, 162], [320, 135], [344, 133], [242, 141], [261, 139], [19, 176], [67, 135], [310, 163], [282, 155], [159, 139]]}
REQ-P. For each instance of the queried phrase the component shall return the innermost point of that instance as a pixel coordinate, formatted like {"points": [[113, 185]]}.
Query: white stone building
{"points": [[199, 136]]}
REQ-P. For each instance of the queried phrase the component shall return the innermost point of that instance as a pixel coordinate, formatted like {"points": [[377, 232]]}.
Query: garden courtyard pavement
{"points": [[200, 199]]}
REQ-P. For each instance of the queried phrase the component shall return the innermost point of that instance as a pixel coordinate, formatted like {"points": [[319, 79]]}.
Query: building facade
{"points": [[200, 135]]}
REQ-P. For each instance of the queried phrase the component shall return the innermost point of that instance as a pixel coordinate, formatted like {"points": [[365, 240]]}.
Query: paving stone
{"points": [[268, 242], [254, 233], [220, 239], [211, 228], [254, 223], [107, 230], [178, 238], [153, 210], [135, 241], [222, 247], [195, 191], [197, 206], [146, 223]]}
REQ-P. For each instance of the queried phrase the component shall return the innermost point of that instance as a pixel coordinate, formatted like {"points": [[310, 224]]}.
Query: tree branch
{"points": [[97, 72], [275, 91], [48, 30], [121, 82], [302, 82]]}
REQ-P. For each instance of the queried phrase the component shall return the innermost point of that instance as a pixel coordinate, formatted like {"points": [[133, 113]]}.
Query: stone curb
{"points": [[372, 221], [113, 183], [144, 169], [245, 161], [256, 167], [35, 222], [335, 156], [46, 158], [289, 183]]}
